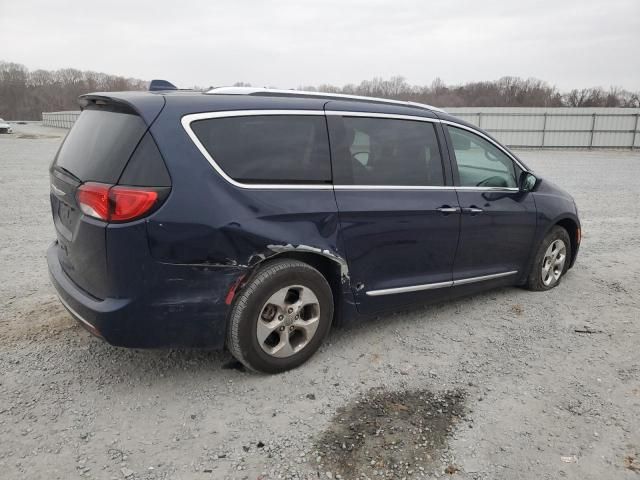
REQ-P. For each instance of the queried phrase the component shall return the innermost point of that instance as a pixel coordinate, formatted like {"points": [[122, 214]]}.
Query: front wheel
{"points": [[552, 260], [281, 316]]}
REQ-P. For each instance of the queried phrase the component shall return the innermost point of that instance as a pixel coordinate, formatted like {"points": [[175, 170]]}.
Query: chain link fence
{"points": [[59, 119]]}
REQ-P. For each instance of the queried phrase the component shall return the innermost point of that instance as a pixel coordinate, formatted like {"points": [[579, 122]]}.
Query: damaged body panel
{"points": [[263, 232]]}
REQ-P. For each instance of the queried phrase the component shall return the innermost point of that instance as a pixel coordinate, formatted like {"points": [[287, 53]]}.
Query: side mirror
{"points": [[528, 182]]}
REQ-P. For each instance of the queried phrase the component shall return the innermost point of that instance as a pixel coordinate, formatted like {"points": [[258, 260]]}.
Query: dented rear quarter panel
{"points": [[218, 225]]}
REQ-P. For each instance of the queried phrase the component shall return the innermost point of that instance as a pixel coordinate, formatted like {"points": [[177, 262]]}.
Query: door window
{"points": [[480, 163], [382, 151]]}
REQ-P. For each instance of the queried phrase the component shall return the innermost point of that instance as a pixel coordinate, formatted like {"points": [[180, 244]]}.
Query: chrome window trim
{"points": [[488, 139], [433, 286], [186, 124], [186, 121], [393, 187]]}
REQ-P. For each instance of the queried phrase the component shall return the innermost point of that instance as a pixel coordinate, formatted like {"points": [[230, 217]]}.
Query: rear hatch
{"points": [[96, 151]]}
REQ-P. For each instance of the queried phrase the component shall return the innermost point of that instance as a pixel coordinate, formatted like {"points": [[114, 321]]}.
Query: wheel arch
{"points": [[333, 267], [329, 267], [573, 228], [571, 225]]}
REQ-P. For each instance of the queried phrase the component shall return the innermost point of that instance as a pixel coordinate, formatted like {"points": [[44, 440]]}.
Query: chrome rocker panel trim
{"points": [[433, 286]]}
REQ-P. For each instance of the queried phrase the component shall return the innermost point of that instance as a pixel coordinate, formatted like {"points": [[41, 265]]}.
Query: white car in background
{"points": [[4, 127]]}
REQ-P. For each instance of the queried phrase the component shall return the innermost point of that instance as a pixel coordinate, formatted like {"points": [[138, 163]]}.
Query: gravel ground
{"points": [[507, 384]]}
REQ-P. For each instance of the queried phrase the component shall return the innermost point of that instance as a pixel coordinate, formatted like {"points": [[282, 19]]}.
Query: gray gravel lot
{"points": [[533, 399]]}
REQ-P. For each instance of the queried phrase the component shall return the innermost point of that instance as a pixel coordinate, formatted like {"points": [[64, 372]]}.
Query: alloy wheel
{"points": [[288, 321], [553, 262]]}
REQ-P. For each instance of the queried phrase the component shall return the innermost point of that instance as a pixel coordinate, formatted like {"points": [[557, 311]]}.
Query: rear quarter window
{"points": [[99, 145], [268, 148]]}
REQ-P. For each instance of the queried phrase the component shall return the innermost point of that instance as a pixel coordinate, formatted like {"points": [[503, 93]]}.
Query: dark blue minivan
{"points": [[255, 219]]}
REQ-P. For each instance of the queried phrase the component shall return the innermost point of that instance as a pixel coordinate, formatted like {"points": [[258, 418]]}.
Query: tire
{"points": [[281, 317], [543, 275]]}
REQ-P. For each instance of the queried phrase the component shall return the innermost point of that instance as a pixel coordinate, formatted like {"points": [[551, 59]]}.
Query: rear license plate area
{"points": [[64, 220]]}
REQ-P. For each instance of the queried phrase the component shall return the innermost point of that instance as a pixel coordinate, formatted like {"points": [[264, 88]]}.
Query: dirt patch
{"points": [[632, 463], [395, 434], [46, 319], [517, 309]]}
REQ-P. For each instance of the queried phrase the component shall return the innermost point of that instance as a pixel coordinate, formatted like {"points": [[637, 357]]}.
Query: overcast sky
{"points": [[289, 43]]}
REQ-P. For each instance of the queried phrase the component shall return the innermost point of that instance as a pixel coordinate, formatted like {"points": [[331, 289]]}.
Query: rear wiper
{"points": [[68, 173]]}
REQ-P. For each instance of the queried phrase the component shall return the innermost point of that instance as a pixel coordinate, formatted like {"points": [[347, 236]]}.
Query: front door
{"points": [[498, 221], [399, 214]]}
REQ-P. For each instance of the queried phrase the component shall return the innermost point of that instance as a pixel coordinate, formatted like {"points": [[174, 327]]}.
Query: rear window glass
{"points": [[99, 144], [268, 148]]}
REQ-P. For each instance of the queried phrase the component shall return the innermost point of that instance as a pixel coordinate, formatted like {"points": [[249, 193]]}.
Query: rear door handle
{"points": [[472, 210], [446, 209]]}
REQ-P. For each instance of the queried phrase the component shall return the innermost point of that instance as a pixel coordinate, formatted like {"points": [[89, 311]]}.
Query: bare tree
{"points": [[504, 92], [24, 95]]}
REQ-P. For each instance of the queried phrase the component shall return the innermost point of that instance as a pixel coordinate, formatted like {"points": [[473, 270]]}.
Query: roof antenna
{"points": [[157, 85]]}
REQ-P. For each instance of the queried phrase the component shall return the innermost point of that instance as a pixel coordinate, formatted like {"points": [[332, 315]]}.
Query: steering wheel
{"points": [[489, 155], [495, 181]]}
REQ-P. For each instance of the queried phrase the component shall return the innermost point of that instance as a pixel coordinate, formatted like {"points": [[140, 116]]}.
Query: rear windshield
{"points": [[99, 144], [268, 148]]}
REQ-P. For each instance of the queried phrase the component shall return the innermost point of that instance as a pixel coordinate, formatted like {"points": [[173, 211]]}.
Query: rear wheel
{"points": [[552, 260], [280, 318]]}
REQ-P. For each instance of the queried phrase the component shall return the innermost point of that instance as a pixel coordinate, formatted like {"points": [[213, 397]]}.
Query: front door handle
{"points": [[446, 209], [473, 210]]}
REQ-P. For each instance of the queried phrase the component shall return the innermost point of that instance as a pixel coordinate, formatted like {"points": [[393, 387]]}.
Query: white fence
{"points": [[522, 127], [557, 127], [59, 119]]}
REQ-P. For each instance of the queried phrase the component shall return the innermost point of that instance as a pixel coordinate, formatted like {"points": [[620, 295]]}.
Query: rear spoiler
{"points": [[139, 103]]}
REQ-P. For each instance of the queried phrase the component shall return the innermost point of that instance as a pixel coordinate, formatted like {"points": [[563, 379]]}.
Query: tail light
{"points": [[116, 203], [93, 199], [131, 203]]}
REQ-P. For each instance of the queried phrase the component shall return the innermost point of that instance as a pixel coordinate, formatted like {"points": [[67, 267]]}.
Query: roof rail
{"points": [[303, 93]]}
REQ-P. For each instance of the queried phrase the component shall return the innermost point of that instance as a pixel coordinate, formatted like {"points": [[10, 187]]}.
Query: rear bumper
{"points": [[184, 307]]}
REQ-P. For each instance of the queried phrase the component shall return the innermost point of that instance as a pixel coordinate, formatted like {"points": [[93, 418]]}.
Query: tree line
{"points": [[505, 92], [25, 94]]}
